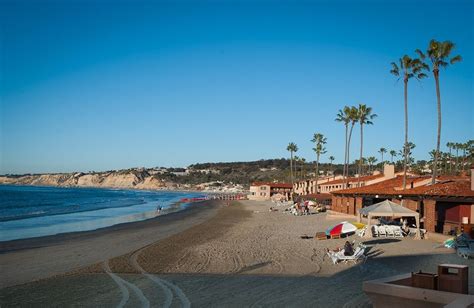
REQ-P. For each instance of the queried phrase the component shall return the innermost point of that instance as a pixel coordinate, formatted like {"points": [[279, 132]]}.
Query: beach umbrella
{"points": [[343, 228]]}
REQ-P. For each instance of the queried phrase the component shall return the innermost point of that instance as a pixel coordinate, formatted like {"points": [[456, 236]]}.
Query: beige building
{"points": [[261, 191], [330, 184]]}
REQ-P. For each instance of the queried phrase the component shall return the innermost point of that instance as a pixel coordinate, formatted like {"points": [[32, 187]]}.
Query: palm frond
{"points": [[420, 54], [455, 59], [421, 76], [442, 63], [394, 72], [445, 48]]}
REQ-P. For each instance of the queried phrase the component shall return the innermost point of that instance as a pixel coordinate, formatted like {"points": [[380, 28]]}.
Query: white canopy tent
{"points": [[388, 209]]}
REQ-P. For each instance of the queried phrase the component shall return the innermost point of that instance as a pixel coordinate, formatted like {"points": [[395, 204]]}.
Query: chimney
{"points": [[388, 171]]}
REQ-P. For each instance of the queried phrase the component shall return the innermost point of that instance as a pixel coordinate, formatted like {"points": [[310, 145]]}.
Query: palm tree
{"points": [[439, 56], [371, 160], [292, 148], [319, 148], [343, 117], [393, 153], [353, 114], [303, 162], [409, 68], [382, 151], [407, 148], [450, 146], [365, 117], [296, 159], [331, 159], [457, 147], [464, 148]]}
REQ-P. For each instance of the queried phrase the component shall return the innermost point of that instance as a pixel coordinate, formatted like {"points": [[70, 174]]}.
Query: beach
{"points": [[208, 255]]}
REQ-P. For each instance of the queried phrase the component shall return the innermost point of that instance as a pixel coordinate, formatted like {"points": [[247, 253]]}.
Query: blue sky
{"points": [[102, 85]]}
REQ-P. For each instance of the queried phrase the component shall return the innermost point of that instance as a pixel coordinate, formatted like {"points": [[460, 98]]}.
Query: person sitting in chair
{"points": [[348, 249]]}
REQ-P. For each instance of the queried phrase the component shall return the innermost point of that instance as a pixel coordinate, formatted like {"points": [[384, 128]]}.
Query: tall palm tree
{"points": [[296, 159], [343, 117], [393, 153], [319, 141], [409, 68], [439, 55], [292, 148], [364, 117], [353, 114], [382, 151]]}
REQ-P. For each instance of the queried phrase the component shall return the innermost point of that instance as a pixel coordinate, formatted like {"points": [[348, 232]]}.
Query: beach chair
{"points": [[375, 231], [382, 231], [397, 231], [361, 232], [359, 254], [390, 232]]}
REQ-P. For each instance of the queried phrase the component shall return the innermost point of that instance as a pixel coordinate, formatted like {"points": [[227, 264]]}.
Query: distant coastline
{"points": [[136, 179]]}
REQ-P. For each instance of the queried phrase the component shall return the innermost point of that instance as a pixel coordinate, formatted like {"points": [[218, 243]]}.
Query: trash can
{"points": [[453, 278]]}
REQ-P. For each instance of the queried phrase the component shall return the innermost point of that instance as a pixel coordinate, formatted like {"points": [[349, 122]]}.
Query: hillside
{"points": [[242, 173]]}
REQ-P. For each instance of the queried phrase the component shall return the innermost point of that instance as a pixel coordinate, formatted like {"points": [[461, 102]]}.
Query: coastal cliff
{"points": [[113, 179]]}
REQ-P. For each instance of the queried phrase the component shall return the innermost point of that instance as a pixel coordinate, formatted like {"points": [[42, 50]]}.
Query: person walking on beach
{"points": [[158, 209]]}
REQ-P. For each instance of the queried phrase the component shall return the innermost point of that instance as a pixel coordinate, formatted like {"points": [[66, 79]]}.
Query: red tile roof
{"points": [[354, 179], [446, 186], [273, 185]]}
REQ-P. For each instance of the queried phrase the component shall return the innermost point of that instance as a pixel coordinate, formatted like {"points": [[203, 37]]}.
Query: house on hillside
{"points": [[261, 191], [445, 207]]}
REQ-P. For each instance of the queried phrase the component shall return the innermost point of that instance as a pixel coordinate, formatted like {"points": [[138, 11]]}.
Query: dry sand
{"points": [[244, 255]]}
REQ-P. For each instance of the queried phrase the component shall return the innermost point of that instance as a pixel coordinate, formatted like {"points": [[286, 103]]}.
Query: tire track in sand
{"points": [[123, 284], [164, 284]]}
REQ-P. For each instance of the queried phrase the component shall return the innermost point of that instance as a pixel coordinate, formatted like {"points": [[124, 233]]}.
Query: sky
{"points": [[100, 85]]}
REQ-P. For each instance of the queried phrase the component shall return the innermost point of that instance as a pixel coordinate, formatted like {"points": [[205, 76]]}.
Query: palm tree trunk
{"points": [[361, 147], [456, 169], [348, 155], [405, 147], [450, 162], [291, 168], [317, 173], [345, 157], [438, 138]]}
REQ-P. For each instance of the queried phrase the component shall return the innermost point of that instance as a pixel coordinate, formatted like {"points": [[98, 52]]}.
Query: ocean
{"points": [[32, 211]]}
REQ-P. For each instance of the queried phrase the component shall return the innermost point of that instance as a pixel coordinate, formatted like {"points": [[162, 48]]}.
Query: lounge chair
{"points": [[359, 254], [361, 232], [390, 232], [375, 231], [381, 230], [398, 232]]}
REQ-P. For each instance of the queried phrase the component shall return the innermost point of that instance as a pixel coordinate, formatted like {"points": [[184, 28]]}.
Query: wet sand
{"points": [[243, 255], [27, 260]]}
